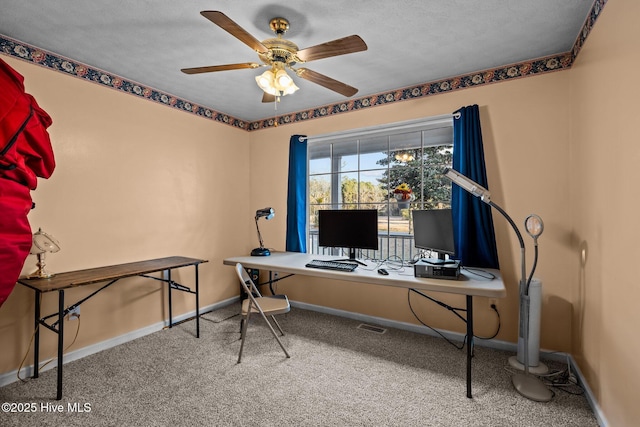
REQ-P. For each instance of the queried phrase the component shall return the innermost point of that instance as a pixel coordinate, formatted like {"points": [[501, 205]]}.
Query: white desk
{"points": [[468, 284]]}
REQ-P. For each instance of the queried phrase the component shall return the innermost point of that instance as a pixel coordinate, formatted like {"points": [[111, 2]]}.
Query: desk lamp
{"points": [[526, 384], [266, 213]]}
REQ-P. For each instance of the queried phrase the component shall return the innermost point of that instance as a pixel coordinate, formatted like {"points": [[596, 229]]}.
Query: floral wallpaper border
{"points": [[68, 66], [552, 63]]}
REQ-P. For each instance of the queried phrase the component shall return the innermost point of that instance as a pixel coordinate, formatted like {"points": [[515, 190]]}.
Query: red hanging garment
{"points": [[25, 154]]}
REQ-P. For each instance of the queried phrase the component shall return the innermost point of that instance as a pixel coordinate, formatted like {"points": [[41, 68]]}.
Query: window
{"points": [[363, 169]]}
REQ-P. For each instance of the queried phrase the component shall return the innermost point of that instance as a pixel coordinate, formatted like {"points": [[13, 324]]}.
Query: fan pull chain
{"points": [[275, 108]]}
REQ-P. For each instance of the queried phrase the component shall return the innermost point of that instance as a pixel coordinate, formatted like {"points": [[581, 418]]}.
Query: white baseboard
{"points": [[456, 336], [27, 371], [602, 421]]}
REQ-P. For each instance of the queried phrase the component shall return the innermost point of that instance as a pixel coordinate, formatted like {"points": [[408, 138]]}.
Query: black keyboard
{"points": [[332, 265]]}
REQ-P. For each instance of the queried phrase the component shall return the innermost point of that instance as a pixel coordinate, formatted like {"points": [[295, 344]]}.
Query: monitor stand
{"points": [[352, 258]]}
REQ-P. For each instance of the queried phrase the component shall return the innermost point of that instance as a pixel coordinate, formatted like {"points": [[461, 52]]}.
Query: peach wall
{"points": [[604, 160], [134, 180], [526, 137]]}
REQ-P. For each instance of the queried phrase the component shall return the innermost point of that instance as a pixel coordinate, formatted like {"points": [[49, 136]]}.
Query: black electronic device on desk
{"points": [[353, 229], [437, 269], [433, 231], [332, 265]]}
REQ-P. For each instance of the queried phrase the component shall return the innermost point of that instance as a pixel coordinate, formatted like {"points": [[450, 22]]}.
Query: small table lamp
{"points": [[266, 213]]}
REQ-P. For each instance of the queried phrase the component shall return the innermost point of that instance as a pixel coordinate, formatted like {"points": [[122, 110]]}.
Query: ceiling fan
{"points": [[280, 54]]}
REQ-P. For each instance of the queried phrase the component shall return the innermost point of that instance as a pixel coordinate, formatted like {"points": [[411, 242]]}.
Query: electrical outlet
{"points": [[276, 275], [255, 275], [74, 314]]}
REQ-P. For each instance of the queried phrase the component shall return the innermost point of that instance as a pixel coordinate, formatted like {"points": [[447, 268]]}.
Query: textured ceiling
{"points": [[410, 42]]}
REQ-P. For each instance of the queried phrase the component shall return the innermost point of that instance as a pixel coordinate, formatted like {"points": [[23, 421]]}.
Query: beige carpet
{"points": [[338, 375]]}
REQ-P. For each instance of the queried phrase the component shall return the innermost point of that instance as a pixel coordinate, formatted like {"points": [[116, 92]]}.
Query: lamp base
{"points": [[531, 387], [40, 273], [540, 369], [260, 252]]}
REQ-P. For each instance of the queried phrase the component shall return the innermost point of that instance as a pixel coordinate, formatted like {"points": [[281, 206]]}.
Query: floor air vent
{"points": [[372, 328]]}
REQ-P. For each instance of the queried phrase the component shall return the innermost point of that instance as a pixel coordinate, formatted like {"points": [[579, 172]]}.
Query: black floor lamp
{"points": [[266, 213], [526, 384]]}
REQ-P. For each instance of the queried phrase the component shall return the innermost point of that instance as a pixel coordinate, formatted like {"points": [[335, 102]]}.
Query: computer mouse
{"points": [[383, 272]]}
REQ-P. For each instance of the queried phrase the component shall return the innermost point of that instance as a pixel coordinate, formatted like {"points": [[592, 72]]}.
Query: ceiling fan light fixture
{"points": [[277, 83], [289, 89], [265, 82], [282, 79]]}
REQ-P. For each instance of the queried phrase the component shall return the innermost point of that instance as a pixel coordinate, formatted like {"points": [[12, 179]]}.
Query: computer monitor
{"points": [[348, 228], [433, 230]]}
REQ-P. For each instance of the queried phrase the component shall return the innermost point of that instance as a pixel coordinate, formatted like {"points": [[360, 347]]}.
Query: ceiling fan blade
{"points": [[268, 98], [224, 22], [328, 82], [212, 68], [336, 47]]}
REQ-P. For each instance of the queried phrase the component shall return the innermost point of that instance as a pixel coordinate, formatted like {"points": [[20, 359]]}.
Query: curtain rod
{"points": [[373, 130]]}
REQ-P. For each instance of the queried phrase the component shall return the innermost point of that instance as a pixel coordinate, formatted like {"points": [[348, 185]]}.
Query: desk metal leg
{"points": [[36, 337], [469, 342], [172, 285], [197, 304], [170, 302], [60, 340]]}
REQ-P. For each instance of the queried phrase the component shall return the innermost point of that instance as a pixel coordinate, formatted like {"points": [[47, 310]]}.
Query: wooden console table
{"points": [[110, 274]]}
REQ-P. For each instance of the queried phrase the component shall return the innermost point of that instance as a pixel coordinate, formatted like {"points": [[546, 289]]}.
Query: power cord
{"points": [[52, 358], [495, 309], [393, 263], [562, 380], [454, 311], [479, 272], [431, 327]]}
